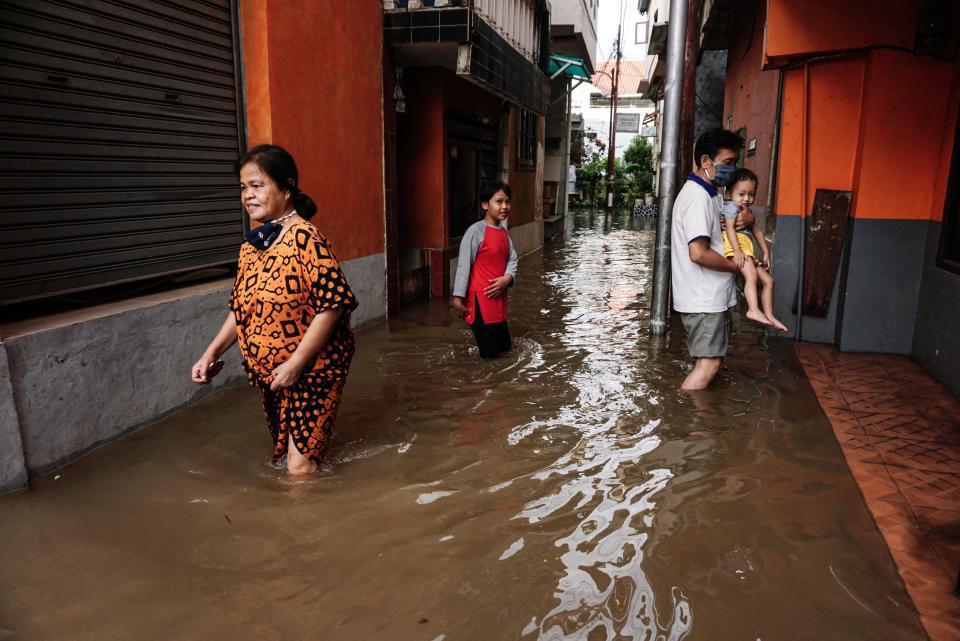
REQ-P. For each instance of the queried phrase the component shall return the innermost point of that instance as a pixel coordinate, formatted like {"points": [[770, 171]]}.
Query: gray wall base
{"points": [[76, 381], [935, 343]]}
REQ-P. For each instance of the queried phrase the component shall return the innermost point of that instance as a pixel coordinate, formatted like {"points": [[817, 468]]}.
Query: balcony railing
{"points": [[519, 22]]}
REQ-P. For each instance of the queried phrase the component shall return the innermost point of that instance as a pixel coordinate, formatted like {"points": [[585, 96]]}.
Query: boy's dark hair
{"points": [[713, 141], [745, 174], [490, 187]]}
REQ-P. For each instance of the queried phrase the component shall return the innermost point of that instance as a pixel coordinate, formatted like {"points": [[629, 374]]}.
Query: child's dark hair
{"points": [[713, 141], [277, 163], [490, 187], [745, 174]]}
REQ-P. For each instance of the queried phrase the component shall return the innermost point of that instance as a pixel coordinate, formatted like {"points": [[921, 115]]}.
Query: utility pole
{"points": [[676, 39], [612, 151]]}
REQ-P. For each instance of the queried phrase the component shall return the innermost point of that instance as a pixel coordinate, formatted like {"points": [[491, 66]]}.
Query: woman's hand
{"points": [[458, 307], [205, 369], [285, 375], [497, 285], [767, 262]]}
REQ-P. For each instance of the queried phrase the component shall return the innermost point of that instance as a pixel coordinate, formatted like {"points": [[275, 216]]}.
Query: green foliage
{"points": [[633, 174]]}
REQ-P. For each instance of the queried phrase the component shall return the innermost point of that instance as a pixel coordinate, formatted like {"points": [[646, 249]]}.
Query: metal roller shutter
{"points": [[119, 124]]}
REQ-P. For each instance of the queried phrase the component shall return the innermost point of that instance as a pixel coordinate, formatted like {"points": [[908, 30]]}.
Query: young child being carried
{"points": [[742, 193]]}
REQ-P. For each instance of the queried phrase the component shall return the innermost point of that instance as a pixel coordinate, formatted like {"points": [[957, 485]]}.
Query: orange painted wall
{"points": [[805, 27], [906, 117], [311, 88], [873, 123]]}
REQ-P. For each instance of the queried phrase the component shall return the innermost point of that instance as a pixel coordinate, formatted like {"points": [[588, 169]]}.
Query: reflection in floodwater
{"points": [[603, 586], [563, 492]]}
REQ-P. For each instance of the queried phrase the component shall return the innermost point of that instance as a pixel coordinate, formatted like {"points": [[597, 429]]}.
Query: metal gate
{"points": [[119, 124]]}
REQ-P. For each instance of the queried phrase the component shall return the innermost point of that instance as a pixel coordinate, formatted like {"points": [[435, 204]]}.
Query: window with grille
{"points": [[526, 138]]}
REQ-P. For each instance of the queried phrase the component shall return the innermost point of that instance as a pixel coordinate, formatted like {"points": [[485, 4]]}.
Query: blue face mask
{"points": [[263, 236], [723, 175]]}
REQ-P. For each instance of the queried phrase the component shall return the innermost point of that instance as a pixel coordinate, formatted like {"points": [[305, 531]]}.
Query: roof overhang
{"points": [[566, 66], [566, 41]]}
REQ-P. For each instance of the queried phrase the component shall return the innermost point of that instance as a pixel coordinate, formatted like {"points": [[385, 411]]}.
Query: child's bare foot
{"points": [[758, 317], [776, 323]]}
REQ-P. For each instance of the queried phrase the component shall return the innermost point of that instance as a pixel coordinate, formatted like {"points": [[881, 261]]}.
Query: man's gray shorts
{"points": [[708, 334]]}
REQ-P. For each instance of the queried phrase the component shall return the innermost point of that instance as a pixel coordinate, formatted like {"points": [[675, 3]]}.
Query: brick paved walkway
{"points": [[900, 432]]}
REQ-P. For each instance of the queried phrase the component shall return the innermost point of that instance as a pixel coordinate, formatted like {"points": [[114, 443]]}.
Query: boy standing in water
{"points": [[486, 268], [742, 193], [702, 278]]}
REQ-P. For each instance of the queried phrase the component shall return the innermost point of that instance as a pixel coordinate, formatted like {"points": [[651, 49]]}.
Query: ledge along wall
{"points": [[322, 99]]}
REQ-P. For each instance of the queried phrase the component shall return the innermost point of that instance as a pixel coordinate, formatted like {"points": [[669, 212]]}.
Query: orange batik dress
{"points": [[276, 296]]}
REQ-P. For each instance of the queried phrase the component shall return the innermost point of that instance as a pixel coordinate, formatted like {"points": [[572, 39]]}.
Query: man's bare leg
{"points": [[704, 370]]}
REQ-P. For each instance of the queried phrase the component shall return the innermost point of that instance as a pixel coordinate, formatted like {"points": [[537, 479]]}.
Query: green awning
{"points": [[571, 67]]}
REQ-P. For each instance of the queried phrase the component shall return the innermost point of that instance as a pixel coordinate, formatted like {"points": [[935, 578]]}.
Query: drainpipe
{"points": [[775, 147], [798, 335], [676, 39]]}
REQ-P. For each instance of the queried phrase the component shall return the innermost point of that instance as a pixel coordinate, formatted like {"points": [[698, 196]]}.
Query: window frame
{"points": [[528, 126], [646, 32]]}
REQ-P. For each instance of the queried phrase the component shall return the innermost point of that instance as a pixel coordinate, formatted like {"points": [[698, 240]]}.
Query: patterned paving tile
{"points": [[925, 578], [942, 529], [920, 456], [875, 482], [857, 446], [909, 426], [940, 630], [927, 489], [877, 402], [900, 434]]}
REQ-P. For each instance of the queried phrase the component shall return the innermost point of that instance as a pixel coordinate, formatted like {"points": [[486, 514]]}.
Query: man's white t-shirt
{"points": [[696, 214]]}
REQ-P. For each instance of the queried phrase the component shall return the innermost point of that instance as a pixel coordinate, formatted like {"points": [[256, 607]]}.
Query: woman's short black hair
{"points": [[744, 174], [491, 187], [277, 163], [713, 141]]}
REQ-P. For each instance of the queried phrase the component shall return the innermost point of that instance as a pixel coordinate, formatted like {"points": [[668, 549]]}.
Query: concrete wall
{"points": [[527, 237], [73, 381], [935, 345], [367, 278], [81, 379], [883, 285], [711, 74], [786, 259], [13, 471]]}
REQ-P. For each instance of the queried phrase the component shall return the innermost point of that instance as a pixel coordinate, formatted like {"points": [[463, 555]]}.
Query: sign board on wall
{"points": [[648, 132], [629, 123]]}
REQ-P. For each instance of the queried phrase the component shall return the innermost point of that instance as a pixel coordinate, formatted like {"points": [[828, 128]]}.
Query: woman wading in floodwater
{"points": [[290, 312]]}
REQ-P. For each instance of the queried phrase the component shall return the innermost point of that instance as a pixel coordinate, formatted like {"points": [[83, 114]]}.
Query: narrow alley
{"points": [[566, 491]]}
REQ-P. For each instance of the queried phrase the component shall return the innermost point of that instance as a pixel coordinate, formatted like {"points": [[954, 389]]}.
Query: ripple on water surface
{"points": [[564, 491]]}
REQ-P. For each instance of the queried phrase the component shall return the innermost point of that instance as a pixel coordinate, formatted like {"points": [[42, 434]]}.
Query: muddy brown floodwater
{"points": [[566, 491]]}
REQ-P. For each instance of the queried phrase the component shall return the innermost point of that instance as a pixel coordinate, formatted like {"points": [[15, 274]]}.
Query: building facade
{"points": [[573, 44], [469, 94], [849, 117]]}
